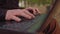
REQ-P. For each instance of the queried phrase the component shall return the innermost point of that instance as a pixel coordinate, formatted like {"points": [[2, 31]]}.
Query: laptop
{"points": [[27, 26]]}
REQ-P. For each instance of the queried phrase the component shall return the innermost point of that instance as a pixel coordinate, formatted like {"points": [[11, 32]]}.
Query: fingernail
{"points": [[30, 17], [19, 20], [33, 17]]}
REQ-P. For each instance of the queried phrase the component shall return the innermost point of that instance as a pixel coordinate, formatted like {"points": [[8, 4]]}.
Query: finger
{"points": [[26, 16], [16, 18], [27, 12], [37, 11], [34, 12]]}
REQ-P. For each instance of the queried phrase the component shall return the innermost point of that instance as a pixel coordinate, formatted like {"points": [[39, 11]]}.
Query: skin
{"points": [[12, 14]]}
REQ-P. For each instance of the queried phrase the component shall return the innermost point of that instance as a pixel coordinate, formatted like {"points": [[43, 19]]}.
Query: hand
{"points": [[12, 14], [35, 10]]}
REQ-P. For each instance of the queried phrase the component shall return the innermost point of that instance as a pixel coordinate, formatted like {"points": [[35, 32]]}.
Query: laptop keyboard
{"points": [[24, 25]]}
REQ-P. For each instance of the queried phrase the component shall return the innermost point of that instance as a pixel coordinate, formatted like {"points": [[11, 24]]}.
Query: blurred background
{"points": [[40, 4]]}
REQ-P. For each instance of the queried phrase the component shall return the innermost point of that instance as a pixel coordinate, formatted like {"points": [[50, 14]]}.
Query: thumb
{"points": [[16, 18]]}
